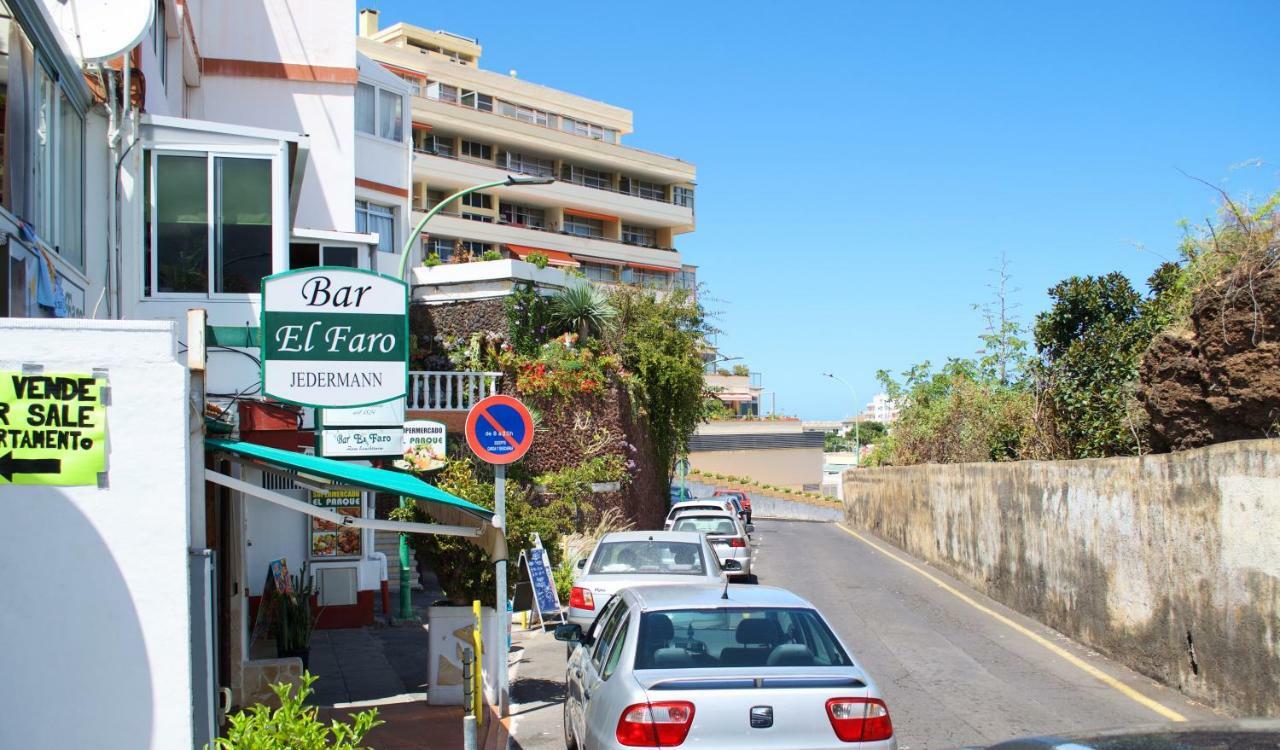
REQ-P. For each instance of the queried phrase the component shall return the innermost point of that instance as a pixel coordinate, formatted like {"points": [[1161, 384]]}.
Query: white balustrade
{"points": [[449, 391]]}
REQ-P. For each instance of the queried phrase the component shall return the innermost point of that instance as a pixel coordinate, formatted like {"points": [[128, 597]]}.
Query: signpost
{"points": [[334, 337], [53, 429], [682, 468], [499, 430]]}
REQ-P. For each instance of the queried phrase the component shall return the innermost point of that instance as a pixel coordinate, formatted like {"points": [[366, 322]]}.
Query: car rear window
{"points": [[687, 508], [731, 637], [648, 556], [706, 525]]}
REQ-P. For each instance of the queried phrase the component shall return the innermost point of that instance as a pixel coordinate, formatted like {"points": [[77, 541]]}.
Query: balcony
{"points": [[449, 391]]}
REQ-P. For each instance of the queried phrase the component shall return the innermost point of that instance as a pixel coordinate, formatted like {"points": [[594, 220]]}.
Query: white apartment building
{"points": [[881, 409], [613, 212]]}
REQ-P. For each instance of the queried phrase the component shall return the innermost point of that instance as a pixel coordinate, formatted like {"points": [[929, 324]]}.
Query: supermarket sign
{"points": [[328, 540], [334, 337]]}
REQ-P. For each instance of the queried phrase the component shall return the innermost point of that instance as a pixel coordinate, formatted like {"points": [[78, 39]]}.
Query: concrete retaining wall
{"points": [[791, 509], [1167, 563]]}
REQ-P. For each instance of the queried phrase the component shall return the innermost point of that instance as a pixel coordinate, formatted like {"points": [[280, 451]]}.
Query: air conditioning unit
{"points": [[336, 586]]}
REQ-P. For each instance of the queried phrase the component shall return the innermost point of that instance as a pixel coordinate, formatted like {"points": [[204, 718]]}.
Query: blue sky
{"points": [[863, 166]]}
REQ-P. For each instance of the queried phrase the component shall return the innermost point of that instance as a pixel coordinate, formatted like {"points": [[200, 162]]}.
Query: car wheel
{"points": [[570, 741]]}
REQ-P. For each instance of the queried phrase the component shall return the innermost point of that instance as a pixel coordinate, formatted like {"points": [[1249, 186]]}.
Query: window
{"points": [[648, 557], [209, 224], [682, 196], [647, 278], [475, 249], [68, 240], [651, 190], [524, 164], [589, 130], [477, 217], [477, 150], [435, 144], [583, 226], [434, 197], [311, 254], [379, 112], [601, 272], [526, 114], [372, 217], [636, 235], [477, 200], [740, 637], [476, 100], [160, 42], [442, 92], [441, 246], [688, 279], [526, 216], [584, 176], [616, 623]]}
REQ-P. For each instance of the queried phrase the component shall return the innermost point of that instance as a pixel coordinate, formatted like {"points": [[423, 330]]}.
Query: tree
{"points": [[582, 309], [1004, 351]]}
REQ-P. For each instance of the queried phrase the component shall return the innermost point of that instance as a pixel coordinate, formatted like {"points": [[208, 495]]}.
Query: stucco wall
{"points": [[1168, 563], [94, 607]]}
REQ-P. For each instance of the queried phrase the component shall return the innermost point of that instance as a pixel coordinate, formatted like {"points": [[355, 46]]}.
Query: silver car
{"points": [[633, 558], [717, 667], [729, 537], [706, 503]]}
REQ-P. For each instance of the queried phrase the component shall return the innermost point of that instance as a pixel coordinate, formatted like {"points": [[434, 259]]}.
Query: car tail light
{"points": [[737, 541], [661, 724], [860, 719], [580, 598]]}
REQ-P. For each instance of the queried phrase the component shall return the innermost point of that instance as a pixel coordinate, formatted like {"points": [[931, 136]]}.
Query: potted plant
{"points": [[295, 618]]}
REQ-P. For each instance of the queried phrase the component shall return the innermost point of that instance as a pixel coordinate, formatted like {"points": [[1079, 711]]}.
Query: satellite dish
{"points": [[103, 29]]}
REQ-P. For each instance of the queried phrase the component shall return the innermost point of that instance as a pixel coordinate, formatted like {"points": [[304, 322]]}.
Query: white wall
{"points": [[94, 607]]}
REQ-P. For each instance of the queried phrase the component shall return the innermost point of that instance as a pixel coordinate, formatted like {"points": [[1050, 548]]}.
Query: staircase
{"points": [[388, 543]]}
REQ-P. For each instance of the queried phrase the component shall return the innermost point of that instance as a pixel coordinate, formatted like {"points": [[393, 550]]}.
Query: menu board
{"points": [[330, 541]]}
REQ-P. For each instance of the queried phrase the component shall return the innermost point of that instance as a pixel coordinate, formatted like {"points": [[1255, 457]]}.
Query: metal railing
{"points": [[449, 391]]}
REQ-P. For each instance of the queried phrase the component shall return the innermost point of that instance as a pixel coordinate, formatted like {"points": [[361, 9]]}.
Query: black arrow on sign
{"points": [[10, 466]]}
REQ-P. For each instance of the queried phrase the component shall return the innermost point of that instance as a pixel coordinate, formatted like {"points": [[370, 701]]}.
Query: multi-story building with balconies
{"points": [[612, 211]]}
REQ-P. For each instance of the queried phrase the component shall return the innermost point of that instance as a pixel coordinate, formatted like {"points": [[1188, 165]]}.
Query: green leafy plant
{"points": [[491, 255], [539, 260], [295, 617], [741, 370], [528, 320], [432, 260], [294, 725], [582, 309]]}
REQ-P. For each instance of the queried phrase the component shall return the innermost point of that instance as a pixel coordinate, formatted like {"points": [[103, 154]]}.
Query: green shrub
{"points": [[537, 259], [491, 255], [294, 726], [432, 260]]}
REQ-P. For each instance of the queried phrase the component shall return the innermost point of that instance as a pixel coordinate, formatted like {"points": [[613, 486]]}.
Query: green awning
{"points": [[378, 480]]}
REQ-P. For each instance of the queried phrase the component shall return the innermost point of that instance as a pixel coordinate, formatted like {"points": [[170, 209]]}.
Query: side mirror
{"points": [[751, 527], [570, 633], [582, 564]]}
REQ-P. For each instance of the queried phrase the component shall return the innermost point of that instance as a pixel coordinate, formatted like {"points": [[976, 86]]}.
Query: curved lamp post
{"points": [[512, 179], [857, 443], [406, 596]]}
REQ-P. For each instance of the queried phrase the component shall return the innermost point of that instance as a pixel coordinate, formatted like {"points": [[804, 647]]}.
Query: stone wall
{"points": [[457, 319], [1168, 563]]}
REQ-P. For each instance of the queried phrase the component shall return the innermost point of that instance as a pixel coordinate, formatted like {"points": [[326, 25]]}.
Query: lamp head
{"points": [[528, 179]]}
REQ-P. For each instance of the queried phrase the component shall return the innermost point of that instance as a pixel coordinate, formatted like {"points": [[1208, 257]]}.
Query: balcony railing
{"points": [[449, 391], [541, 172], [552, 228]]}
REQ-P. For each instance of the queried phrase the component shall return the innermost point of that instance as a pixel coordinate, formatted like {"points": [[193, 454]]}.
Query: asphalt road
{"points": [[953, 674]]}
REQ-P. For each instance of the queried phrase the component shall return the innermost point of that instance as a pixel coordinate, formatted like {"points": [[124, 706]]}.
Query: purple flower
{"points": [[631, 464]]}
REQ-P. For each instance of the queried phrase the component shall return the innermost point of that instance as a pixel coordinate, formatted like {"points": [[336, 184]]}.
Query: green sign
{"points": [[53, 429], [334, 337]]}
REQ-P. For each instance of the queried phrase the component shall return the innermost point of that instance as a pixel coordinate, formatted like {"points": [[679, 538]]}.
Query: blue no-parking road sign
{"points": [[499, 429]]}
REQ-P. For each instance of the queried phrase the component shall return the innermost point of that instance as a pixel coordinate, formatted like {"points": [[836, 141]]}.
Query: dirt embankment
{"points": [[1219, 379]]}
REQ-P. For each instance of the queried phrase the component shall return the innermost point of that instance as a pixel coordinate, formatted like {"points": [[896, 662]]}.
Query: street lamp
{"points": [[512, 179], [857, 442], [406, 596]]}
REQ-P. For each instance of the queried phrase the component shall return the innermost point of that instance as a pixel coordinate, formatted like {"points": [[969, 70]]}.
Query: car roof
{"points": [[708, 513], [708, 596], [656, 536], [698, 501]]}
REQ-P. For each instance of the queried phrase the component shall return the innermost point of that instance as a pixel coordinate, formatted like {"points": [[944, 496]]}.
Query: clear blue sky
{"points": [[862, 166]]}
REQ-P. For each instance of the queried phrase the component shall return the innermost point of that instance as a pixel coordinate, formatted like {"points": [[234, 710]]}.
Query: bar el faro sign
{"points": [[334, 337]]}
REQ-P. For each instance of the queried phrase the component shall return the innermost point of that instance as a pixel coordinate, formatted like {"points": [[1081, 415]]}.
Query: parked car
{"points": [[633, 558], [669, 666], [744, 500], [679, 494], [729, 537], [706, 503]]}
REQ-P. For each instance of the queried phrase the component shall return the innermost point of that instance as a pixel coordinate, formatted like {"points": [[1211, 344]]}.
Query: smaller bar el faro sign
{"points": [[334, 337]]}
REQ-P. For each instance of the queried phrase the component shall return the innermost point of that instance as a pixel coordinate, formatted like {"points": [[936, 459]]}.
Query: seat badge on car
{"points": [[761, 717]]}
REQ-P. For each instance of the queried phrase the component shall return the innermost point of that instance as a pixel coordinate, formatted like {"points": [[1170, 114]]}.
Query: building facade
{"points": [[611, 212], [881, 409]]}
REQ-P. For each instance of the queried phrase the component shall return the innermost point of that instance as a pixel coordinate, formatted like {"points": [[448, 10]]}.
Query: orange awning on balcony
{"points": [[554, 257], [661, 269], [421, 126], [590, 215]]}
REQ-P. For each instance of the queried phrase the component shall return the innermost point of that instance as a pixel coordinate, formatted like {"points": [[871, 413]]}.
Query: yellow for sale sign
{"points": [[53, 428]]}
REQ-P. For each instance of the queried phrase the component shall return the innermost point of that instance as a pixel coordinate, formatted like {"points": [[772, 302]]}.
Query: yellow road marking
{"points": [[1069, 657]]}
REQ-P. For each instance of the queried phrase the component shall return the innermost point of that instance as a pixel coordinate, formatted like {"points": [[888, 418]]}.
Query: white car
{"points": [[729, 537], [706, 503], [717, 668], [633, 558]]}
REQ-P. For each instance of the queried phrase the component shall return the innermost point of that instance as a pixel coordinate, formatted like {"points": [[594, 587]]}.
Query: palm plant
{"points": [[583, 309]]}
